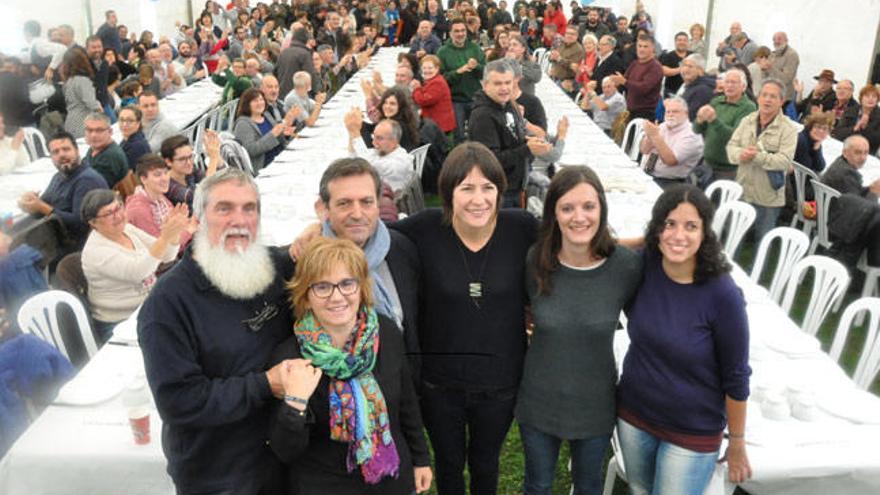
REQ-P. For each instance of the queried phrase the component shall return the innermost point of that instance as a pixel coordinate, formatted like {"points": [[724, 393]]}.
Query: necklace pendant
{"points": [[475, 289]]}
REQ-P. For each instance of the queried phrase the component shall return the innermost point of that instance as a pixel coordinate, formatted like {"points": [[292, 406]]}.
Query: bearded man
{"points": [[672, 149], [206, 332]]}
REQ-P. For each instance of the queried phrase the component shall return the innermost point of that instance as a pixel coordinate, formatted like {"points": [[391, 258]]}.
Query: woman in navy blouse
{"points": [[686, 374]]}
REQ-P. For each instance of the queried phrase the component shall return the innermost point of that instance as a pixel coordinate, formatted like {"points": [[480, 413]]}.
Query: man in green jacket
{"points": [[234, 81], [461, 63], [717, 121]]}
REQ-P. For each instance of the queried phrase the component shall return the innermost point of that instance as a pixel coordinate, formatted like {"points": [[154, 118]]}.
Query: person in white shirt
{"points": [[672, 149], [12, 151], [394, 164], [41, 52]]}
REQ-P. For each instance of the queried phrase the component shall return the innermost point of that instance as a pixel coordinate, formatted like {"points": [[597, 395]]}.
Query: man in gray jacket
{"points": [[155, 126], [784, 62]]}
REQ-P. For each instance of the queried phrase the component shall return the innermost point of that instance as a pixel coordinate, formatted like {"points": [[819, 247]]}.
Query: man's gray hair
{"points": [[849, 142], [98, 117], [774, 82], [736, 38], [396, 130], [742, 75], [698, 60], [302, 79], [501, 66], [610, 39], [323, 48], [203, 191], [678, 99]]}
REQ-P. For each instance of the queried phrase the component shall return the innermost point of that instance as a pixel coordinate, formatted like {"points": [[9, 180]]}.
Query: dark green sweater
{"points": [[111, 163], [717, 133], [568, 383], [462, 86]]}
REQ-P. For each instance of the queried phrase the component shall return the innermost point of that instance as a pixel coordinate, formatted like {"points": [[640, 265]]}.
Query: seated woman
{"points": [[433, 96], [578, 281], [120, 260], [148, 208], [134, 143], [686, 374], [262, 140], [178, 155], [395, 104], [863, 119], [350, 421]]}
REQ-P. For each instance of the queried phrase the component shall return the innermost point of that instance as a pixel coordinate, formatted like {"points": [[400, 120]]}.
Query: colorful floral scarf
{"points": [[358, 413]]}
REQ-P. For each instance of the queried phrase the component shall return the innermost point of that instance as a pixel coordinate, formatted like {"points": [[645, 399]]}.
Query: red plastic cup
{"points": [[139, 419]]}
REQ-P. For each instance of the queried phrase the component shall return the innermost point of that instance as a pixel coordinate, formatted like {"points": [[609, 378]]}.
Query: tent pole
{"points": [[87, 6], [189, 13], [709, 15]]}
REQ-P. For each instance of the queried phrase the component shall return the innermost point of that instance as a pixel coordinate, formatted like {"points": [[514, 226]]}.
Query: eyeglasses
{"points": [[324, 290], [95, 130], [187, 158], [112, 213]]}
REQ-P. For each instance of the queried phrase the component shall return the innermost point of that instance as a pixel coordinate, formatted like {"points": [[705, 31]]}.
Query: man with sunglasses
{"points": [[63, 197]]}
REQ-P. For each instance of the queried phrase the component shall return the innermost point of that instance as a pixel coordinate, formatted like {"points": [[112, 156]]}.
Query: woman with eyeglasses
{"points": [[178, 154], [120, 260], [350, 420], [134, 143]]}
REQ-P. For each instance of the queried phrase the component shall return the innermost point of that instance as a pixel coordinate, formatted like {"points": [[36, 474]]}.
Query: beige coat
{"points": [[784, 66], [776, 147]]}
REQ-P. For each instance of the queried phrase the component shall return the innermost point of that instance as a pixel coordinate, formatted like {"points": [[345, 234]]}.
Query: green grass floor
{"points": [[511, 471]]}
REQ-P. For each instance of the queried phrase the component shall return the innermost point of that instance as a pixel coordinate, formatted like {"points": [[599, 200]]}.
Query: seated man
{"points": [[310, 109], [607, 106], [67, 188], [104, 154], [394, 164], [672, 149], [820, 99], [843, 99], [844, 176], [156, 127]]}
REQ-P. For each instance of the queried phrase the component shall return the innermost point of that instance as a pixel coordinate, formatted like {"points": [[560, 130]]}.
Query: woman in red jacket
{"points": [[433, 96]]}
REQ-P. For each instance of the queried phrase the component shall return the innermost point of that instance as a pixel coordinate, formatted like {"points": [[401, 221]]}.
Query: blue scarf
{"points": [[376, 249]]}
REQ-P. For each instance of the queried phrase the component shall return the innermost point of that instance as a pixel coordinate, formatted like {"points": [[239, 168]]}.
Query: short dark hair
{"points": [[93, 201], [147, 92], [134, 109], [63, 135], [461, 160], [244, 103], [457, 20], [711, 261], [147, 163], [646, 37], [681, 33], [347, 167], [170, 145], [546, 259], [92, 38]]}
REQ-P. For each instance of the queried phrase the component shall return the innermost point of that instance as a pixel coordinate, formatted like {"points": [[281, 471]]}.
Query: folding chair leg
{"points": [[610, 476]]}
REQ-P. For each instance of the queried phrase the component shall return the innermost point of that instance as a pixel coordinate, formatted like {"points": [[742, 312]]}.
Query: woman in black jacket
{"points": [[863, 119], [350, 421]]}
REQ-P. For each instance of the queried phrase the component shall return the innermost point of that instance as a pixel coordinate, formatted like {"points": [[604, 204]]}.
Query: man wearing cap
{"points": [[820, 99]]}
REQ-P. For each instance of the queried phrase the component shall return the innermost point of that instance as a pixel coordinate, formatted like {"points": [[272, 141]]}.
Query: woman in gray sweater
{"points": [[262, 138], [79, 91], [578, 281]]}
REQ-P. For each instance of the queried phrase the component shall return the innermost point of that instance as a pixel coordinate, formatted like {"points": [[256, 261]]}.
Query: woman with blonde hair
{"points": [[350, 420], [697, 43]]}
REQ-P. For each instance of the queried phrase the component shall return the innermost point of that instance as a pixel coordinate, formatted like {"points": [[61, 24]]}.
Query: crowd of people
{"points": [[316, 368]]}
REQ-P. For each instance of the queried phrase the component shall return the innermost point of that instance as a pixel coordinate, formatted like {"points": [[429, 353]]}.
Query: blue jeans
{"points": [[542, 451], [462, 114], [765, 220], [656, 467]]}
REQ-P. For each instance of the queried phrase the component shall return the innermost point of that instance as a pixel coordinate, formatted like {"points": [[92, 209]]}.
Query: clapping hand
{"points": [[651, 129], [748, 154], [353, 120], [17, 139], [175, 224], [705, 114], [320, 98], [538, 146], [299, 379]]}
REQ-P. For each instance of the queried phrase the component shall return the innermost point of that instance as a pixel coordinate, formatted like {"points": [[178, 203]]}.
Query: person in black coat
{"points": [[354, 368], [863, 120], [608, 63]]}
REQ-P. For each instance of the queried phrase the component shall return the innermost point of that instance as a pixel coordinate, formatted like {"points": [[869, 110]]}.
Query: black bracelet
{"points": [[295, 399]]}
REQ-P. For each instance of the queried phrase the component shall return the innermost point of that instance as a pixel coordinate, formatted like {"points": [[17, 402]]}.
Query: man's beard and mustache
{"points": [[243, 274]]}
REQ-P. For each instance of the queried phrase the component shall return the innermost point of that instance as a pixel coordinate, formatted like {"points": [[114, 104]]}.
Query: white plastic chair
{"points": [[824, 195], [419, 155], [35, 143], [632, 136], [234, 155], [869, 362], [830, 281], [800, 183], [727, 190], [615, 466], [872, 275], [741, 216], [793, 246], [542, 56], [39, 316]]}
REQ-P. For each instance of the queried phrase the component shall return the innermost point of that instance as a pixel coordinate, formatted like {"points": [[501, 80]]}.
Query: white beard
{"points": [[240, 275]]}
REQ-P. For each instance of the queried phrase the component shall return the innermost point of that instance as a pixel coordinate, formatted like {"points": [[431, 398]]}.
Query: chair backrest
{"points": [[632, 136], [824, 195], [793, 246], [739, 217], [410, 199], [39, 316], [234, 154], [830, 280], [419, 155], [542, 55], [35, 143], [727, 190], [801, 173], [869, 361]]}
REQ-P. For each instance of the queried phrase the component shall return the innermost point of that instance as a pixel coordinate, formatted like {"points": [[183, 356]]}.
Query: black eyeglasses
{"points": [[324, 290]]}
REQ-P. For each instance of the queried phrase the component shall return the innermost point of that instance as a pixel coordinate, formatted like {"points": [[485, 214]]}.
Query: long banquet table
{"points": [[82, 443]]}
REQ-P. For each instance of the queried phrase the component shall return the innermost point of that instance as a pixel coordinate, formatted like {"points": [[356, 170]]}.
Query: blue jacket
{"points": [[65, 194], [20, 277], [135, 147], [430, 45]]}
